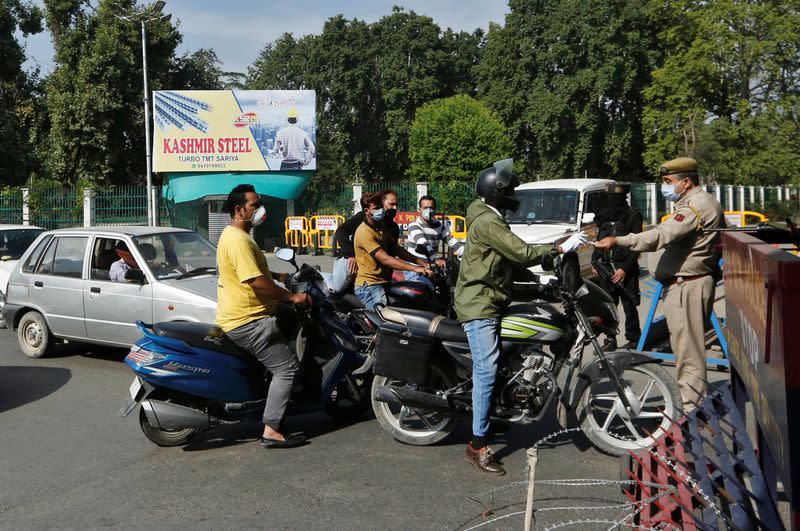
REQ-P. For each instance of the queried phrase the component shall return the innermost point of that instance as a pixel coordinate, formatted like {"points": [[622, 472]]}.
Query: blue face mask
{"points": [[669, 193], [377, 215]]}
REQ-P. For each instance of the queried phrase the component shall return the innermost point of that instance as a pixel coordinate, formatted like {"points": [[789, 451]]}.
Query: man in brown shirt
{"points": [[686, 269], [377, 253]]}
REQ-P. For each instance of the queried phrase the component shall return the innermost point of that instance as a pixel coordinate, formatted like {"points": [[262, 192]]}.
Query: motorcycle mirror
{"points": [[287, 255], [422, 249], [548, 263]]}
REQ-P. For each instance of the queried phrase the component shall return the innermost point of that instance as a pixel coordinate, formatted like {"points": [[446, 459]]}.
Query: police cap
{"points": [[679, 165]]}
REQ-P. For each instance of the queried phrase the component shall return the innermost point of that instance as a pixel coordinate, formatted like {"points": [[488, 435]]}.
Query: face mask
{"points": [[427, 213], [258, 216], [669, 193], [390, 213], [377, 215]]}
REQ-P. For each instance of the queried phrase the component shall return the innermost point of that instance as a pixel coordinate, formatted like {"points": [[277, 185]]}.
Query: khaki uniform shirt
{"points": [[688, 251]]}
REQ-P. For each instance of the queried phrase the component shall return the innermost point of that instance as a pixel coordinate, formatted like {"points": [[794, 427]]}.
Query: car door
{"points": [[593, 203], [112, 308], [56, 286]]}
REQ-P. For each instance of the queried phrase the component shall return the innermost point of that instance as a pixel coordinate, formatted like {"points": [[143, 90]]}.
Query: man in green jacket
{"points": [[483, 291]]}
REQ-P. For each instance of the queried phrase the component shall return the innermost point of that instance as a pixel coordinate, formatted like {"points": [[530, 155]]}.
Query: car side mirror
{"points": [[135, 275], [588, 217]]}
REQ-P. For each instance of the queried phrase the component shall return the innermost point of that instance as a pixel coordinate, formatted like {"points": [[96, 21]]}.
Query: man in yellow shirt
{"points": [[247, 299], [376, 249]]}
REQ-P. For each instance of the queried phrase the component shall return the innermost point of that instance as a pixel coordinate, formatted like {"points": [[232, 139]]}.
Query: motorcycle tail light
{"points": [[141, 357]]}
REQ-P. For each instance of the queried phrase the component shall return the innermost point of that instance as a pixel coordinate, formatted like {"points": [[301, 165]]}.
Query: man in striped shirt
{"points": [[430, 232]]}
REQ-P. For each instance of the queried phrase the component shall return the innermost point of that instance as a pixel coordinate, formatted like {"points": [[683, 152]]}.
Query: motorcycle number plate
{"points": [[136, 386]]}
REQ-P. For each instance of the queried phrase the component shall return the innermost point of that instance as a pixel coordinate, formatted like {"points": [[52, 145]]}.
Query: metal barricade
{"points": [[296, 232], [321, 230]]}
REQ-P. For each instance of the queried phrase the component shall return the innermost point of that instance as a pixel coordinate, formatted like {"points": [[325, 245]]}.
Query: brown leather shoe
{"points": [[484, 460]]}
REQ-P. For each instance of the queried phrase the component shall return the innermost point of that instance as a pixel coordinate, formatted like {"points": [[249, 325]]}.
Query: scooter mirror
{"points": [[286, 254], [548, 263]]}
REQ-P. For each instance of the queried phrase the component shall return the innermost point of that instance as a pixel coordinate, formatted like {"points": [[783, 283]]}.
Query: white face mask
{"points": [[427, 213], [259, 216]]}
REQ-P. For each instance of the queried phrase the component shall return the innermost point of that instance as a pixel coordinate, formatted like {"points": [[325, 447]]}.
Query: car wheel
{"points": [[34, 336]]}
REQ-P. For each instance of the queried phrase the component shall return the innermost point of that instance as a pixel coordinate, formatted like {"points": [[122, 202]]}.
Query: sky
{"points": [[239, 30]]}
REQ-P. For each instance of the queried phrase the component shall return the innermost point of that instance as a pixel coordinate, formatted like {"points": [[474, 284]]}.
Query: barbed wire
{"points": [[632, 508]]}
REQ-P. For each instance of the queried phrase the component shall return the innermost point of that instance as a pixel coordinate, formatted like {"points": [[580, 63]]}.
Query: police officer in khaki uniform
{"points": [[687, 269]]}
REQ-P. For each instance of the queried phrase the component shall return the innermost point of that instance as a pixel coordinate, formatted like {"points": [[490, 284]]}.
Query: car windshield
{"points": [[546, 206], [177, 254], [14, 242]]}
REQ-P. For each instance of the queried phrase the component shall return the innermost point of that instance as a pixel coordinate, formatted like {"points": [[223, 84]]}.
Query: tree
{"points": [[727, 91], [20, 107], [94, 94], [453, 138], [567, 78]]}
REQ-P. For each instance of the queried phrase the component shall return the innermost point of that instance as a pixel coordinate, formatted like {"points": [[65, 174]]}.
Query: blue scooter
{"points": [[191, 376]]}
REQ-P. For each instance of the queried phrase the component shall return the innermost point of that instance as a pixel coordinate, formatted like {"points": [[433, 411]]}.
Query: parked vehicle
{"points": [[551, 210], [14, 241], [190, 376], [423, 367], [61, 289]]}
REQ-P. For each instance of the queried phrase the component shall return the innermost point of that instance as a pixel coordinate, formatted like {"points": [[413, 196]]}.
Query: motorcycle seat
{"points": [[346, 302], [202, 335], [433, 324]]}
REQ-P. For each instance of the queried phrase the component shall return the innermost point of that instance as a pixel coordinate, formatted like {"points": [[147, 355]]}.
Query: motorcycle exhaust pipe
{"points": [[402, 396], [169, 416]]}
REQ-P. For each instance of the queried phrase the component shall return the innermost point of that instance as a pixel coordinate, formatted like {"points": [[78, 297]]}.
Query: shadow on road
{"points": [[84, 349], [22, 385], [311, 425]]}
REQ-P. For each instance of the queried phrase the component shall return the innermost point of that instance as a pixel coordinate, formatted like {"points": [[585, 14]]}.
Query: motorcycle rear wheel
{"points": [[653, 392], [165, 437], [413, 426]]}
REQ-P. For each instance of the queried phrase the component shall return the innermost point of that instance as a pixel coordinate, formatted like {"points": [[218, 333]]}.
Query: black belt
{"points": [[680, 280]]}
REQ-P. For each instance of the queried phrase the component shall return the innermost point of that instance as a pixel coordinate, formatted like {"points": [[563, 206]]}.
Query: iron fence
{"points": [[11, 206], [121, 205], [56, 207]]}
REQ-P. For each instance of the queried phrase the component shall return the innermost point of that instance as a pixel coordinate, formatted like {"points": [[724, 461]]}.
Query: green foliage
{"points": [[451, 139], [566, 76], [19, 109], [727, 91], [778, 211]]}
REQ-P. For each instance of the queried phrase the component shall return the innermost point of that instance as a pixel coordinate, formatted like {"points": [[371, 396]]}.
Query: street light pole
{"points": [[150, 13], [152, 218]]}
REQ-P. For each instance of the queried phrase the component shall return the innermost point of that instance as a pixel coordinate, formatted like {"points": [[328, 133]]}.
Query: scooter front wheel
{"points": [[165, 437], [410, 425]]}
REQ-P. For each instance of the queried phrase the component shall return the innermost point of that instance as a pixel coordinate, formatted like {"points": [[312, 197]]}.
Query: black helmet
{"points": [[497, 184]]}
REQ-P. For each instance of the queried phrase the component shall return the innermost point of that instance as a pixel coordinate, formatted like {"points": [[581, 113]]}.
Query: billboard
{"points": [[234, 130]]}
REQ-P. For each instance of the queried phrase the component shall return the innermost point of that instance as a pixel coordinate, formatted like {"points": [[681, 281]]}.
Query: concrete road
{"points": [[68, 461]]}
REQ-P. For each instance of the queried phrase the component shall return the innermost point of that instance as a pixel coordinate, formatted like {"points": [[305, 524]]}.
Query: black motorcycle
{"points": [[624, 400]]}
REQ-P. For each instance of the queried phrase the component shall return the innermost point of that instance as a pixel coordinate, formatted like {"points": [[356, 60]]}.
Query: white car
{"points": [[14, 241], [550, 211]]}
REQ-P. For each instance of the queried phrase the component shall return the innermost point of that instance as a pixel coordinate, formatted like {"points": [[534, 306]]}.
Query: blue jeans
{"points": [[371, 295], [484, 343], [413, 276]]}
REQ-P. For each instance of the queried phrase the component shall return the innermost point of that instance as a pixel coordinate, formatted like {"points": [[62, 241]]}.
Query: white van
{"points": [[550, 211]]}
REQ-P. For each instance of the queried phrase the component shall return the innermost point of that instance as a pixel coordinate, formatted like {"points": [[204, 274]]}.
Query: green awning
{"points": [[184, 187]]}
